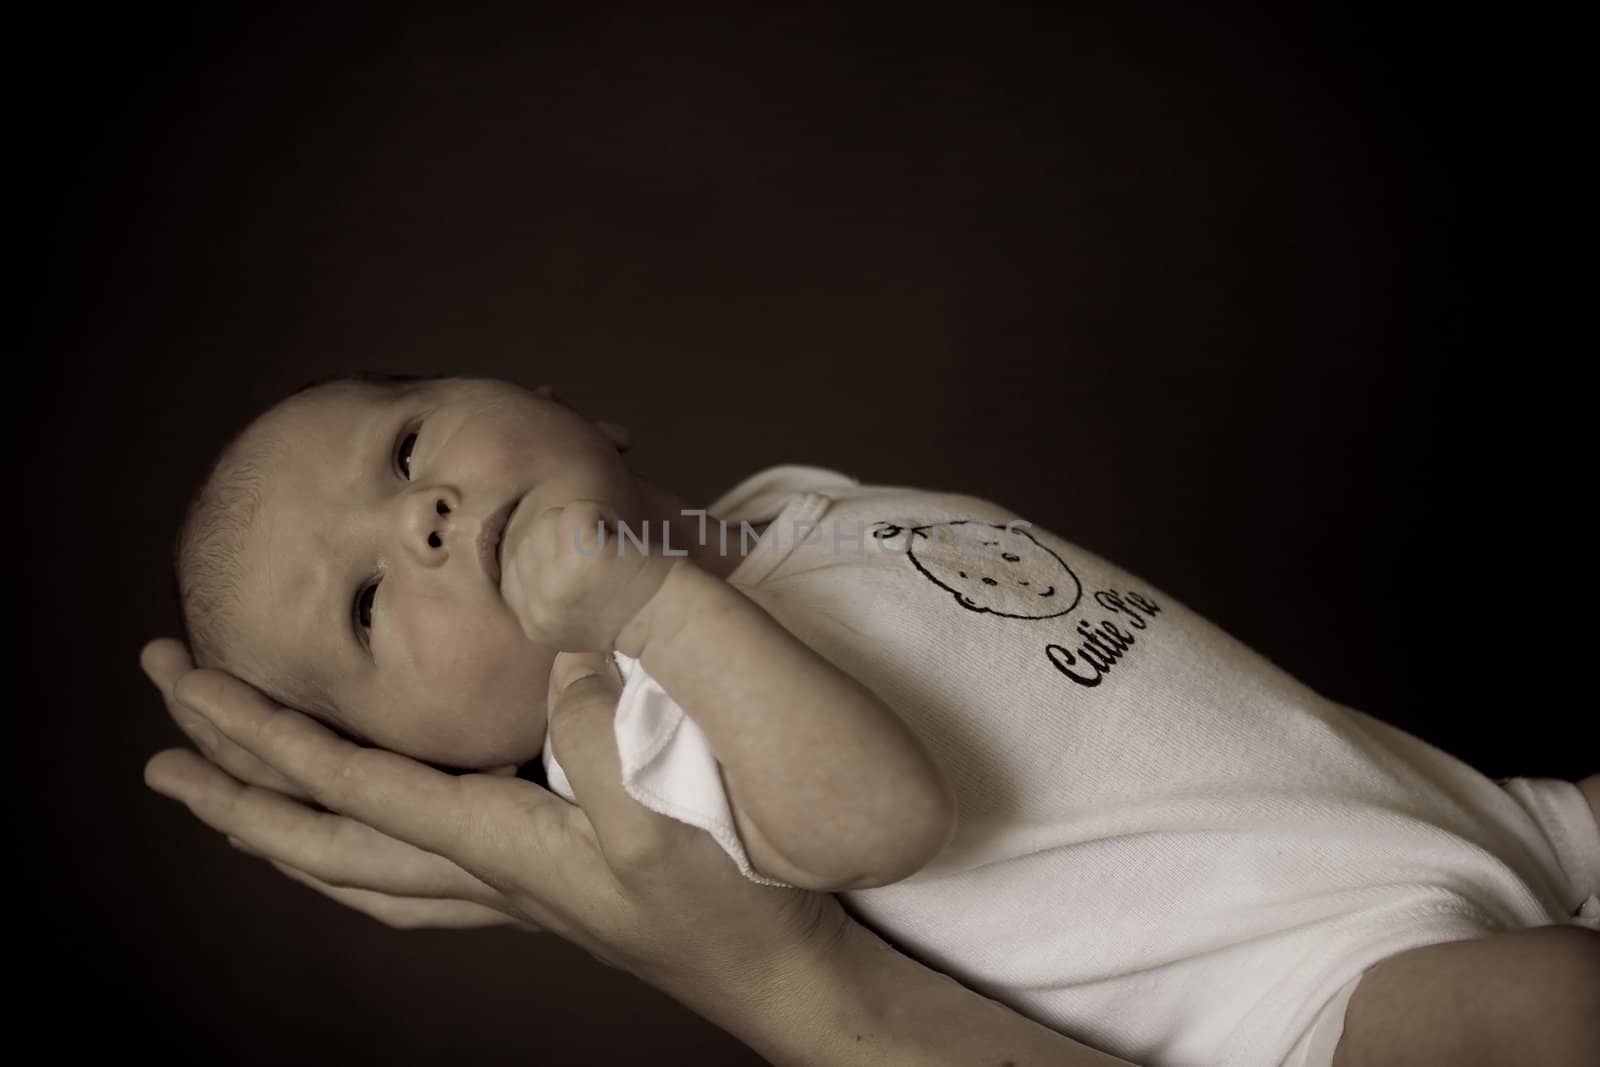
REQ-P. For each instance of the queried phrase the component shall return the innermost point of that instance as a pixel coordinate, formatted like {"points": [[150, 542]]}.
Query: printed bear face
{"points": [[987, 567]]}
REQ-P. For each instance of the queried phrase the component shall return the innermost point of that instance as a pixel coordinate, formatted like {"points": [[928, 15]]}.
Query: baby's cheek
{"points": [[521, 682], [510, 707], [467, 706]]}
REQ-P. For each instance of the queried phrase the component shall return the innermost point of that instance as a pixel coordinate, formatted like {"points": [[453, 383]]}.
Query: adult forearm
{"points": [[862, 1004]]}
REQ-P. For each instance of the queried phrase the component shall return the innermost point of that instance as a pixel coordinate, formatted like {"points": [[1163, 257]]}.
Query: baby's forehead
{"points": [[279, 618], [325, 405], [305, 427]]}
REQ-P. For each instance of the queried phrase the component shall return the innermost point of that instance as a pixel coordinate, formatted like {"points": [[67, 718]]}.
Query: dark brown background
{"points": [[1260, 305]]}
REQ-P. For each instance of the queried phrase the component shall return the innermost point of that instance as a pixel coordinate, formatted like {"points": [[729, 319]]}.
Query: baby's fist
{"points": [[572, 581]]}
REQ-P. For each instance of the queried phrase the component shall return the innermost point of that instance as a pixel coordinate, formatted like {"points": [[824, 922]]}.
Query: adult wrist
{"points": [[857, 1002], [861, 1003], [793, 1005]]}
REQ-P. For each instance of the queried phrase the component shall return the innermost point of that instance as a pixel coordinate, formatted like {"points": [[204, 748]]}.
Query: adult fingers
{"points": [[336, 849], [403, 913], [570, 667], [582, 710], [503, 830], [164, 661]]}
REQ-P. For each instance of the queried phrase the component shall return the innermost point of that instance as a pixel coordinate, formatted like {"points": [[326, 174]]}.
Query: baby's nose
{"points": [[429, 523], [434, 540]]}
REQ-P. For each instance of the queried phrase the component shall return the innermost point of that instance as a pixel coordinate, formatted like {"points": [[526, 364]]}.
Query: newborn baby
{"points": [[1021, 764], [403, 560]]}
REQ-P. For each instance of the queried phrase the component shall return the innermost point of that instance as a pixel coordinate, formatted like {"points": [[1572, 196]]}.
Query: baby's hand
{"points": [[568, 589]]}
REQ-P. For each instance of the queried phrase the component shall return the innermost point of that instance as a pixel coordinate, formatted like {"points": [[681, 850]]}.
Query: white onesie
{"points": [[1166, 848]]}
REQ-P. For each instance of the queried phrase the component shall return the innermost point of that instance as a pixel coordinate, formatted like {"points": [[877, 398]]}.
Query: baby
{"points": [[1019, 763]]}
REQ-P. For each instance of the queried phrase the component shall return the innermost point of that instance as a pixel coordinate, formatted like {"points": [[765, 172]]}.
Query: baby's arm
{"points": [[830, 790]]}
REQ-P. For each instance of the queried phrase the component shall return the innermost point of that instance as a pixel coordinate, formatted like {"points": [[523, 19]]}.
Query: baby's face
{"points": [[365, 568]]}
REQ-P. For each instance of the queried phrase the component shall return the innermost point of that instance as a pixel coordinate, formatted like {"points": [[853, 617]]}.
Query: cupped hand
{"points": [[413, 846], [266, 814]]}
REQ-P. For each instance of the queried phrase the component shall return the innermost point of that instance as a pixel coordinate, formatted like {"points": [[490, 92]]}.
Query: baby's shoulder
{"points": [[917, 506]]}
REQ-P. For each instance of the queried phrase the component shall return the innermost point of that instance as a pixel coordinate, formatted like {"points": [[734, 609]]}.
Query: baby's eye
{"points": [[364, 607], [402, 458]]}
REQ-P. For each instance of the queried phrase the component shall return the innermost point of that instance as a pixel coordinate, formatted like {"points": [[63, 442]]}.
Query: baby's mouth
{"points": [[492, 535]]}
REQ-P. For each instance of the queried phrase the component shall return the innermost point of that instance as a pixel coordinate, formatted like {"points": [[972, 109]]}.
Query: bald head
{"points": [[334, 558], [208, 558]]}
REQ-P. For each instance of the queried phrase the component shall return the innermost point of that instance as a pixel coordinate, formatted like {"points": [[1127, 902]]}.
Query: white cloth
{"points": [[1166, 847], [1321, 1039]]}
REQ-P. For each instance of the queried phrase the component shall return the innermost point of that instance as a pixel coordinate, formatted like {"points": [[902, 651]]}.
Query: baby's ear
{"points": [[618, 435]]}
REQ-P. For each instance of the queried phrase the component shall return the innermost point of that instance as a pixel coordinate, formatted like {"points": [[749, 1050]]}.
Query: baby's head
{"points": [[341, 557]]}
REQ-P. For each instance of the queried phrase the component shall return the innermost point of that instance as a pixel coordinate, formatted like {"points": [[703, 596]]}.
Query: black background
{"points": [[1268, 306]]}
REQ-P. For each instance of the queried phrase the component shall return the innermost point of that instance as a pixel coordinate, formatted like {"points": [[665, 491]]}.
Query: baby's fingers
{"points": [[582, 526], [584, 518]]}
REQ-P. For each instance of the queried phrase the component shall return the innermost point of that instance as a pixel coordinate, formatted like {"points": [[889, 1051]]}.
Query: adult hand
{"points": [[783, 970], [413, 846], [268, 815]]}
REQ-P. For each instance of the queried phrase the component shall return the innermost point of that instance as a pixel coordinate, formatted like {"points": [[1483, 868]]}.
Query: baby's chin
{"points": [[479, 752], [492, 759]]}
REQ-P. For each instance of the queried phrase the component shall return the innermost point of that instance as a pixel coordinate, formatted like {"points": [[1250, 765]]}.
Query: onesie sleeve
{"points": [[667, 765]]}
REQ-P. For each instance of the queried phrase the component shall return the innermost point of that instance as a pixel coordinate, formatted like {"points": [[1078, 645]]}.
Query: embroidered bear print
{"points": [[989, 568]]}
